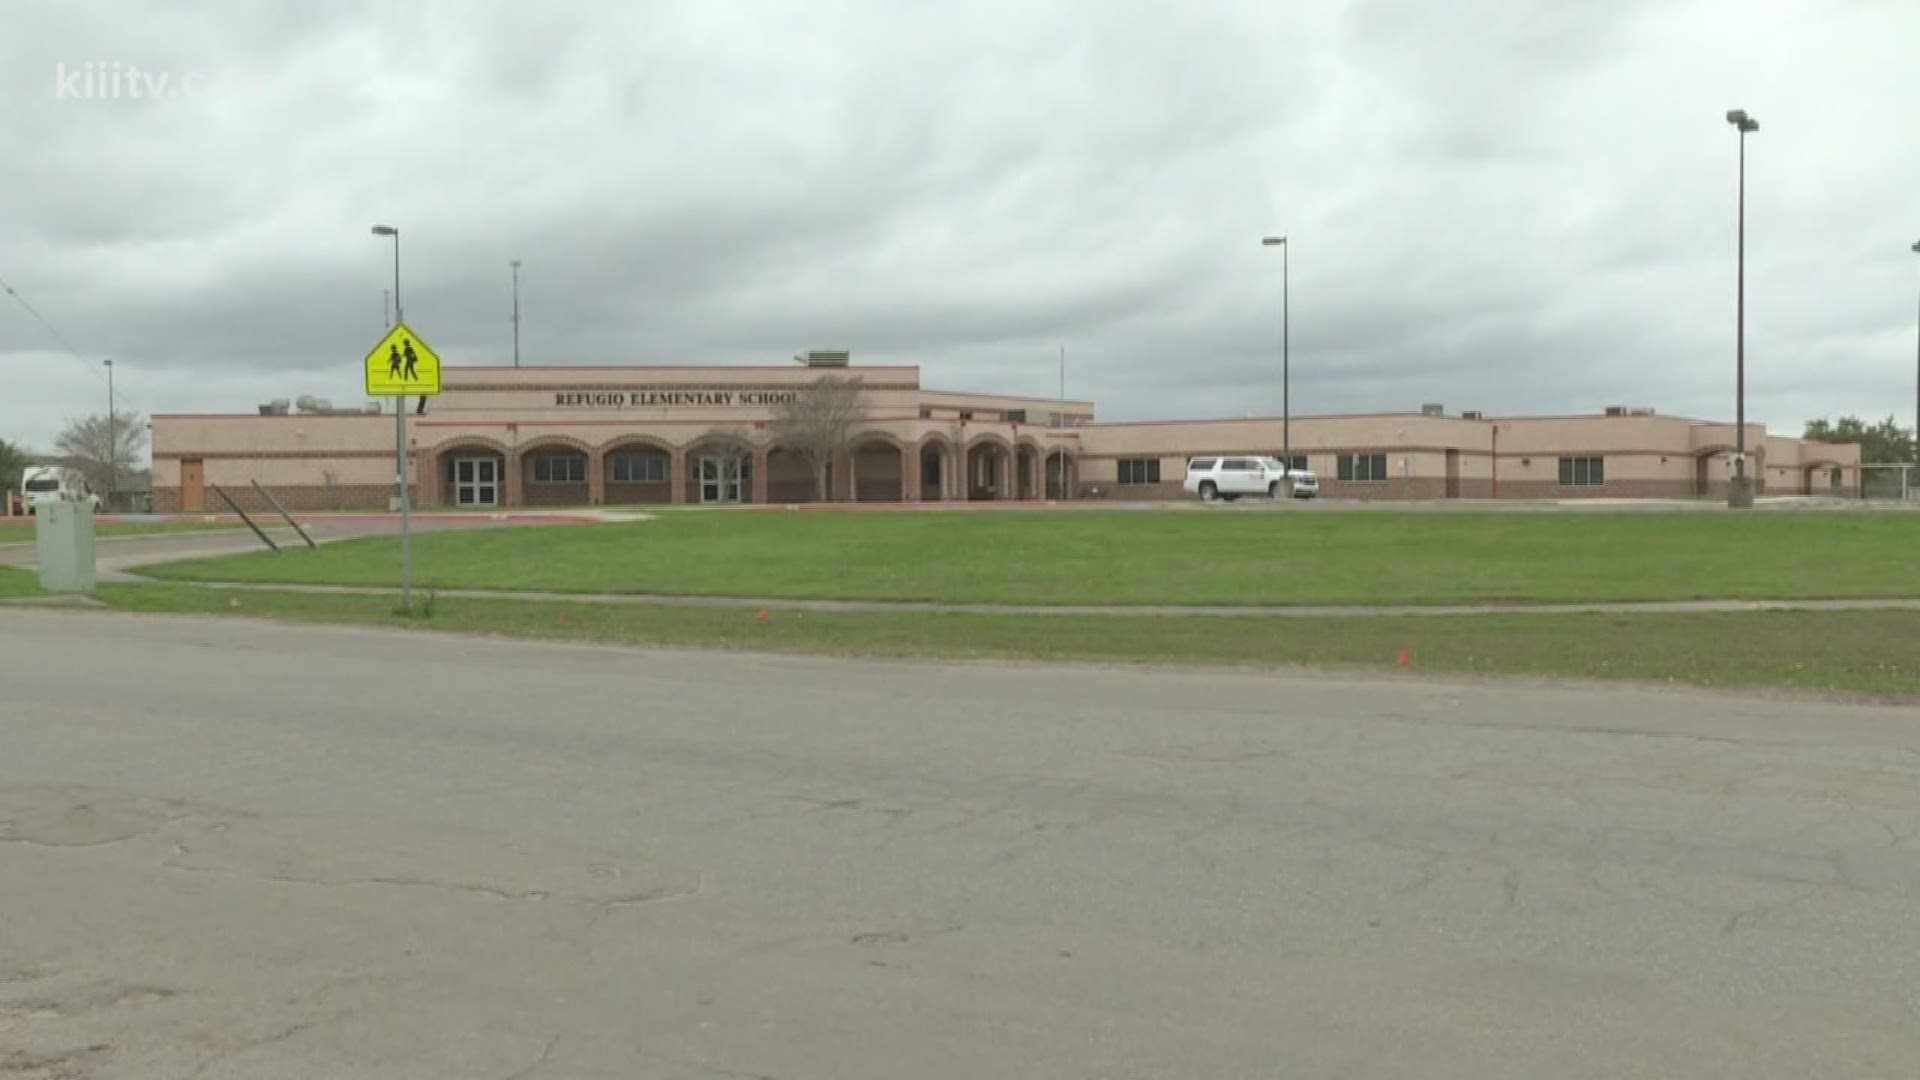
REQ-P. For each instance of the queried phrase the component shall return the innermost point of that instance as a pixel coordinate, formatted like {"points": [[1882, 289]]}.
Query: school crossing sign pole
{"points": [[402, 363]]}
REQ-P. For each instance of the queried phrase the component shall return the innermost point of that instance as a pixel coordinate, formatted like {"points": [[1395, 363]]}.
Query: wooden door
{"points": [[193, 484]]}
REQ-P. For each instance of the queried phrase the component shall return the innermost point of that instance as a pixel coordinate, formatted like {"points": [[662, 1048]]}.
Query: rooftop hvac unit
{"points": [[824, 358], [1639, 412], [307, 403], [372, 408], [1433, 408], [1470, 414], [1612, 410]]}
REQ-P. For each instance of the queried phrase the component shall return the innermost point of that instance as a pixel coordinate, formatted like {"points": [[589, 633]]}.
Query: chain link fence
{"points": [[1891, 482]]}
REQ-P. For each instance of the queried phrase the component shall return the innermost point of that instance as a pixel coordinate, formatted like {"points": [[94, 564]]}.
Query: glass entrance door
{"points": [[476, 481], [720, 477]]}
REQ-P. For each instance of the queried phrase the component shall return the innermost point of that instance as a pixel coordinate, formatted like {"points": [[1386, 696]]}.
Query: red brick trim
{"points": [[551, 388], [329, 455]]}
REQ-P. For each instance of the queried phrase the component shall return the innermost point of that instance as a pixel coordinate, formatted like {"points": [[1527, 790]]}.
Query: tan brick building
{"points": [[579, 436]]}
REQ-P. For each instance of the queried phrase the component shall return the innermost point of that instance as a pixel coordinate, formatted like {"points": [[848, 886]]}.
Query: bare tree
{"points": [[819, 423], [732, 447], [103, 448]]}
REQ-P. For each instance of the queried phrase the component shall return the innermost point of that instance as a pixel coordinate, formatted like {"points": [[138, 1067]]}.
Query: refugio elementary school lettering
{"points": [[643, 398]]}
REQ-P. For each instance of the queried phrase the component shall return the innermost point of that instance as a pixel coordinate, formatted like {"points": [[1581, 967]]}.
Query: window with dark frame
{"points": [[1298, 463], [1362, 467], [1583, 471], [639, 468], [1139, 470], [560, 469]]}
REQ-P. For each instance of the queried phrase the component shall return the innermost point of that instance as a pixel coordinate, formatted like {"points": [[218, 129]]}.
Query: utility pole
{"points": [[516, 311], [1286, 373], [113, 442], [1741, 495]]}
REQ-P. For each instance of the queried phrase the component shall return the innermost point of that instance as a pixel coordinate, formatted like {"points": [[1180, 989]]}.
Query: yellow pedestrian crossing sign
{"points": [[402, 363]]}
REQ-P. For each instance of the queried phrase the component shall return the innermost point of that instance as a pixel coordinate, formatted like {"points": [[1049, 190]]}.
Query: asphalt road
{"points": [[231, 849]]}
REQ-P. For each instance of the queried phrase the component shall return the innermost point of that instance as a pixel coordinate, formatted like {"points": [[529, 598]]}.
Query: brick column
{"points": [[516, 479], [1007, 490], [677, 477], [957, 476], [760, 475], [596, 478], [841, 490], [910, 473]]}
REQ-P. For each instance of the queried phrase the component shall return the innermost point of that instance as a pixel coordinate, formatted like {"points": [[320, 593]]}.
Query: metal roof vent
{"points": [[823, 358]]}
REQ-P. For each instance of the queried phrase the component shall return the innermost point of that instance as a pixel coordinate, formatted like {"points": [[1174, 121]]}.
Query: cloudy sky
{"points": [[1498, 204]]}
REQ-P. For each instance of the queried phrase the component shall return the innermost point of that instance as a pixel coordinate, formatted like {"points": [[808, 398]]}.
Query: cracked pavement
{"points": [[256, 850]]}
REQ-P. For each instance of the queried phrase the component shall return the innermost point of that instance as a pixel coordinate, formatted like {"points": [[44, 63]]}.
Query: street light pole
{"points": [[516, 311], [1286, 375], [113, 442], [386, 307], [1741, 495], [400, 443], [1916, 388]]}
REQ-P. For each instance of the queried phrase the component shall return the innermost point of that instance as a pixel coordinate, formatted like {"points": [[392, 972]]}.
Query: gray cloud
{"points": [[1511, 207]]}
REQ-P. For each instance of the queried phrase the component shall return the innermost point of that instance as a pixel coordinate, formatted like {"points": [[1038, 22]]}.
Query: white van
{"points": [[54, 484]]}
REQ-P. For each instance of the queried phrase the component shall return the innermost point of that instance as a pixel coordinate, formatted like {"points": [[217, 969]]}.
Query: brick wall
{"points": [[1165, 489], [555, 494], [877, 489], [782, 491], [1670, 488], [301, 497], [618, 493]]}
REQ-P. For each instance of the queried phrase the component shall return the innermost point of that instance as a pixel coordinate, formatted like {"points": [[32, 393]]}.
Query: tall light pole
{"points": [[516, 311], [1740, 496], [113, 441], [1916, 390], [1286, 389], [400, 443], [386, 307]]}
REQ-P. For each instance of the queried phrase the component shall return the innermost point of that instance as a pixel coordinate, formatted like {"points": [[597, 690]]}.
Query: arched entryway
{"points": [[470, 473], [877, 468], [1823, 478], [1712, 471], [937, 473], [720, 469], [1026, 471], [790, 478], [635, 471], [553, 471], [989, 473], [1062, 472]]}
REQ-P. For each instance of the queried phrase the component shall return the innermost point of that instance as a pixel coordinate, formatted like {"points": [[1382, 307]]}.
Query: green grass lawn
{"points": [[21, 531], [17, 582], [1144, 557], [1853, 652]]}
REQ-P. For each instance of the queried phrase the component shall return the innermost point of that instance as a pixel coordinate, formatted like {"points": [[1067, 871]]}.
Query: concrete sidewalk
{"points": [[1314, 611]]}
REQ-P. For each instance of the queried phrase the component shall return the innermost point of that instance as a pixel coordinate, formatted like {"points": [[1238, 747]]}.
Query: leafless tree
{"points": [[101, 448], [731, 445], [819, 423]]}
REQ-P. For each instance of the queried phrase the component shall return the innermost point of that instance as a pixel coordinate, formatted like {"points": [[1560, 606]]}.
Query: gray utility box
{"points": [[64, 535]]}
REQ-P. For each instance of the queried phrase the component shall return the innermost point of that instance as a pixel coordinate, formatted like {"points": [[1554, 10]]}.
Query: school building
{"points": [[584, 436]]}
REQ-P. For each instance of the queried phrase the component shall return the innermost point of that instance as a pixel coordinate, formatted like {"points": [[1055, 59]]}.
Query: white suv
{"points": [[1231, 477]]}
